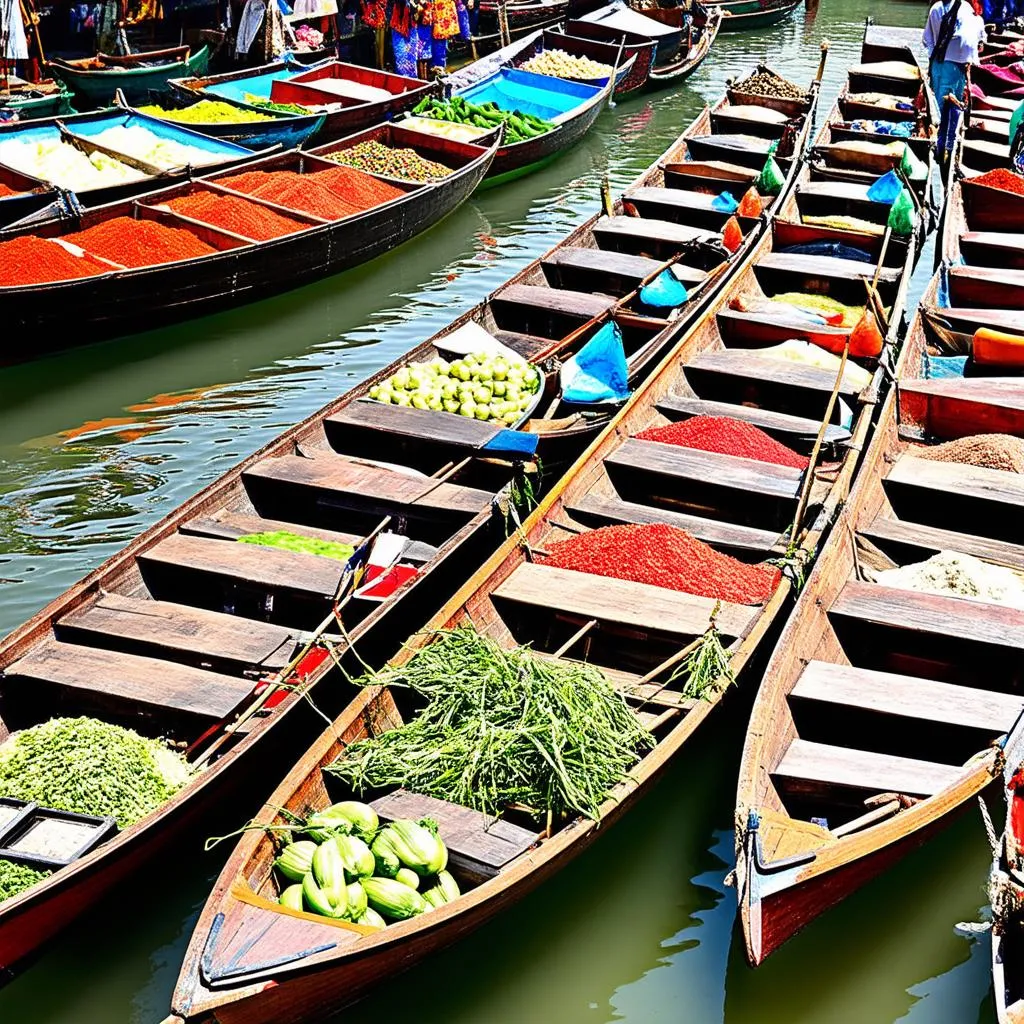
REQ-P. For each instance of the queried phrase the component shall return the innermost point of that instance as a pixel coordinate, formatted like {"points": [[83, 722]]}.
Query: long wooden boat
{"points": [[241, 270], [278, 131], [94, 80], [741, 15], [35, 99], [523, 16], [249, 960], [605, 53], [349, 96], [81, 129]]}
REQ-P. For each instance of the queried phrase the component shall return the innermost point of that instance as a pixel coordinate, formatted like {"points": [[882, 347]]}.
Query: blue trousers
{"points": [[947, 78]]}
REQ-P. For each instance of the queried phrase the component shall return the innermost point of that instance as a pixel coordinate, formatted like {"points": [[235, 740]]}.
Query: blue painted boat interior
{"points": [[540, 95], [163, 130], [258, 85]]}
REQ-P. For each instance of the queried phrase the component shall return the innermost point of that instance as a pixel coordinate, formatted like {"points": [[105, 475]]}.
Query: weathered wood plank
{"points": [[748, 366], [964, 406], [583, 305], [226, 525], [925, 541], [621, 602], [408, 421], [145, 684], [826, 266], [985, 485], [645, 229], [890, 693]]}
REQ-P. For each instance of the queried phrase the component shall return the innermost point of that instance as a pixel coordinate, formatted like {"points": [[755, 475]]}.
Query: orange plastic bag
{"points": [[732, 234], [866, 339], [750, 204], [997, 348]]}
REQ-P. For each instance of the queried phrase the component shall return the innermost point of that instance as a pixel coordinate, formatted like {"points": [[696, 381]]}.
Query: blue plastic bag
{"points": [[598, 372], [725, 202], [666, 291], [886, 188]]}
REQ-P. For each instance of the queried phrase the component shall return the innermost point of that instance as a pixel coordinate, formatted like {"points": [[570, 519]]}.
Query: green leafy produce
{"points": [[296, 542], [206, 112], [92, 767], [282, 108], [16, 878], [500, 727], [479, 386], [519, 126]]}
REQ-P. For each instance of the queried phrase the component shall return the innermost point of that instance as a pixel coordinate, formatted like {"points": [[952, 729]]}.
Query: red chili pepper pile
{"points": [[665, 556], [726, 436], [238, 215], [1002, 179], [32, 260], [357, 187], [139, 243]]}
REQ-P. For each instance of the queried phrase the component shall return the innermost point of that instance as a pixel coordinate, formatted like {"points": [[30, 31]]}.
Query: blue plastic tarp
{"points": [[666, 291], [598, 372]]}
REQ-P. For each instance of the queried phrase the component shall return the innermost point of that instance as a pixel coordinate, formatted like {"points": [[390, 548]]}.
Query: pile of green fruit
{"points": [[487, 387], [519, 126], [351, 868]]}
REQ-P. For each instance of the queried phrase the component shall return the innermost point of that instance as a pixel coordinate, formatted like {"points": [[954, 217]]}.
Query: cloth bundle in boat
{"points": [[666, 291], [771, 179], [598, 372], [912, 167], [997, 348], [902, 214], [886, 188], [725, 202]]}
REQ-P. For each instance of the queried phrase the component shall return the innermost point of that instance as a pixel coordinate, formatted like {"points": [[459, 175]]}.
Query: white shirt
{"points": [[968, 36]]}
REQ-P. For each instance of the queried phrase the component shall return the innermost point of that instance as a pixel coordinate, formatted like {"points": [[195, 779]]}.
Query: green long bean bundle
{"points": [[501, 727]]}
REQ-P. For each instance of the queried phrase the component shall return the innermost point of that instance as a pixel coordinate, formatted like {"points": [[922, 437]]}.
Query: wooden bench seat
{"points": [[597, 270], [622, 603], [598, 510], [745, 150], [961, 406], [850, 191], [661, 239], [889, 693], [699, 170], [580, 305], [407, 421], [178, 631], [985, 287], [1002, 249], [831, 267], [910, 542], [682, 207], [812, 769], [760, 328], [949, 494], [478, 845], [348, 483], [788, 429], [132, 682]]}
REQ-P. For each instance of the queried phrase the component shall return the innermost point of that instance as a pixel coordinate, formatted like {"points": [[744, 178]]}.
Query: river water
{"points": [[96, 445]]}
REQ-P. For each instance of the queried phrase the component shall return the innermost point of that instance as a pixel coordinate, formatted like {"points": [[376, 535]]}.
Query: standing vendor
{"points": [[952, 37]]}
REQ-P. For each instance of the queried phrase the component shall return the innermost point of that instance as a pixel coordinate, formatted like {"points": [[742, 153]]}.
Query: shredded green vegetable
{"points": [[501, 727], [16, 878], [297, 542]]}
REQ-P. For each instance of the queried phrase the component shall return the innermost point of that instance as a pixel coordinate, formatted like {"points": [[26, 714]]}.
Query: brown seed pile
{"points": [[990, 451], [767, 83]]}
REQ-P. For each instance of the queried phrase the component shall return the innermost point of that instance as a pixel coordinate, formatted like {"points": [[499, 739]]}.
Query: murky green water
{"points": [[97, 444]]}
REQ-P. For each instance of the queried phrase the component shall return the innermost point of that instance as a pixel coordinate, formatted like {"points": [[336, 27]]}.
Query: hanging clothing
{"points": [[954, 33], [10, 18], [249, 24], [444, 18]]}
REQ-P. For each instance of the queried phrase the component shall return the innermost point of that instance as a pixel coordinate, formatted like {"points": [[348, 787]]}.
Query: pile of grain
{"points": [[950, 572], [990, 451]]}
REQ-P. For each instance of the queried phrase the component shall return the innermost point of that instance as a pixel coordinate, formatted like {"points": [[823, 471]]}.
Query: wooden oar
{"points": [[615, 72], [872, 287]]}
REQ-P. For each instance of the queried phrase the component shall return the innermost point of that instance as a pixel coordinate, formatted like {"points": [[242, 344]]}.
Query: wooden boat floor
{"points": [[136, 682], [915, 541], [608, 230], [890, 693], [292, 571], [832, 267], [558, 300], [168, 629], [925, 613], [779, 424], [602, 510], [811, 768], [623, 603], [369, 487], [681, 464], [476, 842], [747, 366], [783, 837]]}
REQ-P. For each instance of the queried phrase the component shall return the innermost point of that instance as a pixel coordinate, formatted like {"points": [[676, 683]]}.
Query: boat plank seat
{"points": [[310, 576], [1002, 249], [759, 328], [935, 615], [948, 494], [963, 406], [831, 267], [130, 680], [366, 415], [599, 510], [713, 169], [358, 485], [783, 426], [763, 370], [889, 693], [615, 273], [809, 768], [660, 238], [225, 525], [477, 843], [850, 191], [913, 542], [620, 603], [985, 287], [580, 305], [681, 206], [172, 630], [529, 346]]}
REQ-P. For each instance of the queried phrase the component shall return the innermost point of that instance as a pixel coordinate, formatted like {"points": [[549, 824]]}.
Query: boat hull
{"points": [[753, 14]]}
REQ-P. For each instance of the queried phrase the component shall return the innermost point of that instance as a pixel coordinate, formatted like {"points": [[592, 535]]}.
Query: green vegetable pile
{"points": [[501, 727], [352, 869], [296, 542], [206, 112], [518, 126], [16, 878], [282, 108], [91, 767]]}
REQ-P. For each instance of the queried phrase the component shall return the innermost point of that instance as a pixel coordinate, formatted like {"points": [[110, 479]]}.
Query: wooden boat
{"points": [[80, 130], [523, 16], [583, 34], [741, 15], [604, 53], [30, 100], [94, 80], [351, 97], [241, 270], [249, 960], [30, 196], [279, 131]]}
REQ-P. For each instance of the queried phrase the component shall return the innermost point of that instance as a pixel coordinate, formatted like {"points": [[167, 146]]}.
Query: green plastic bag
{"points": [[913, 168], [1015, 119], [771, 179], [902, 214]]}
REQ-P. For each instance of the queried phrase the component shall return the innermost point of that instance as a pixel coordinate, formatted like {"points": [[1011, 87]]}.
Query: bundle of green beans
{"points": [[501, 727], [16, 878], [518, 126]]}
